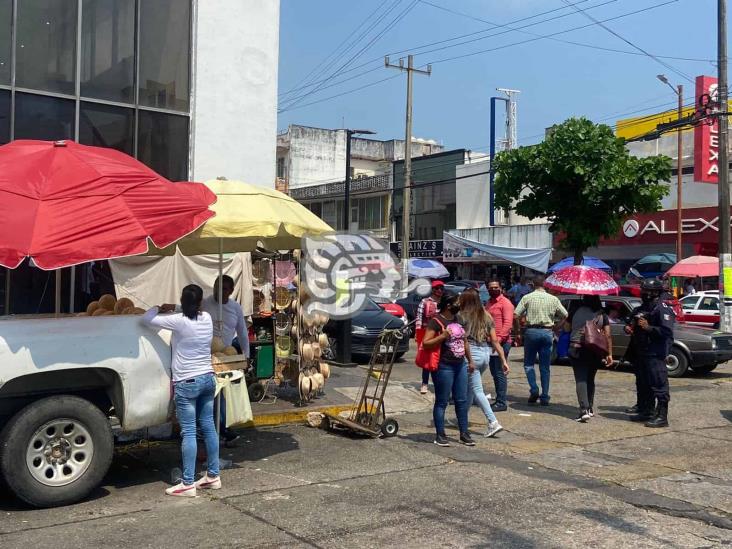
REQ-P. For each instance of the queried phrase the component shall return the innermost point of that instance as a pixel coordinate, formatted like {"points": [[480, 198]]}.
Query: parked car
{"points": [[459, 286], [366, 327], [701, 308], [410, 303], [699, 348]]}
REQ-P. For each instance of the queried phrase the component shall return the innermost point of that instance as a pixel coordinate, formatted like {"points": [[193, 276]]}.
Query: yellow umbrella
{"points": [[248, 216]]}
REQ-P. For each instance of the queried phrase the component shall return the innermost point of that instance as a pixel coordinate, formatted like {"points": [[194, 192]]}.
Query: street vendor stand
{"points": [[287, 344]]}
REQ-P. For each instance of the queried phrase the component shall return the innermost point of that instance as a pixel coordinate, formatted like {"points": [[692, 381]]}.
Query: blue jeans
{"points": [[499, 377], [538, 341], [194, 400], [481, 355], [451, 378]]}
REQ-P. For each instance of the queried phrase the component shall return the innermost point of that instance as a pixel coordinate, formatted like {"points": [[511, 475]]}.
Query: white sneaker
{"points": [[206, 483], [424, 389], [182, 491], [493, 429]]}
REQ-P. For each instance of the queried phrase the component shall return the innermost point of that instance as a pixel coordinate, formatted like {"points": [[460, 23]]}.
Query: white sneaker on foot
{"points": [[424, 389], [493, 428], [206, 483], [182, 491]]}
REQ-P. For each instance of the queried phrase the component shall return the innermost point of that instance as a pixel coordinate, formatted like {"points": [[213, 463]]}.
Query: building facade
{"points": [[188, 87]]}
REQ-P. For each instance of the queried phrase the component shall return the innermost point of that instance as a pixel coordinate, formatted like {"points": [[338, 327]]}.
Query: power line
{"points": [[581, 44], [618, 35], [390, 26], [312, 73]]}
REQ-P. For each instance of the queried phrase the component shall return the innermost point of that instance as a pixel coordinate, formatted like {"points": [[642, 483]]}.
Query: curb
{"points": [[294, 416]]}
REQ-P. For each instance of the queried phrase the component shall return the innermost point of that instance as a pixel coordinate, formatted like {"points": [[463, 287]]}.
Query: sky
{"points": [[322, 42]]}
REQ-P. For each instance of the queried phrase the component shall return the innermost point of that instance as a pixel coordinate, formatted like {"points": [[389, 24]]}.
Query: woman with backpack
{"points": [[584, 356]]}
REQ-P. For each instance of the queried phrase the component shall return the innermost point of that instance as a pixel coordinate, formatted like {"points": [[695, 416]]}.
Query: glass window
{"points": [[6, 37], [46, 45], [689, 303], [709, 304], [105, 126], [163, 144], [108, 50], [4, 116], [164, 53], [39, 117]]}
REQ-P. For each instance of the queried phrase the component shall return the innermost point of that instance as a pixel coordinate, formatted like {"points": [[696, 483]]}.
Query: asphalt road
{"points": [[546, 481]]}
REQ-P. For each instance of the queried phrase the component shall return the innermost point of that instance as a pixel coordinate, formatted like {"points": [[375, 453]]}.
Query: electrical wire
{"points": [[390, 26], [632, 44], [349, 36], [581, 44]]}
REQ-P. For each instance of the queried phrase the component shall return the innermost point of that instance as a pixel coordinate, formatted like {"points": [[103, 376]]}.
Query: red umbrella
{"points": [[63, 204], [580, 279], [696, 265]]}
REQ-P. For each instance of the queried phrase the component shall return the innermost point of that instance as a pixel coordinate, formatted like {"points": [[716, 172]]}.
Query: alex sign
{"points": [[701, 224], [706, 136]]}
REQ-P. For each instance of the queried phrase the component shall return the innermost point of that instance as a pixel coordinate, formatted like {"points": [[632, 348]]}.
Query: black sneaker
{"points": [[466, 439], [441, 440], [533, 398], [545, 403], [500, 408], [229, 436]]}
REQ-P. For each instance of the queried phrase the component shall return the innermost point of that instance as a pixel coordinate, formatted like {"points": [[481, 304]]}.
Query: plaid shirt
{"points": [[541, 309]]}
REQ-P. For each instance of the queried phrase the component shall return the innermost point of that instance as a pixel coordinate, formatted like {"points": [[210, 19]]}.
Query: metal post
{"points": [[407, 202], [7, 291], [347, 186], [72, 290], [492, 154], [725, 253], [679, 179], [407, 194], [57, 293]]}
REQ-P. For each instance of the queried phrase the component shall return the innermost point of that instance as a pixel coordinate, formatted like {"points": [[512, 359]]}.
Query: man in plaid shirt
{"points": [[542, 312], [426, 309]]}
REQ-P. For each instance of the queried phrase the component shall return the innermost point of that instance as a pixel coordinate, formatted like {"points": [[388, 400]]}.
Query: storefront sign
{"points": [[419, 248], [661, 228], [706, 136]]}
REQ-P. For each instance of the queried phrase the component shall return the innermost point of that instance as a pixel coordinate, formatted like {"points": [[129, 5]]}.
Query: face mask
{"points": [[494, 292]]}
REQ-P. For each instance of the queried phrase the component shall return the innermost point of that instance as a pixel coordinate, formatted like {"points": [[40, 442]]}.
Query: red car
{"points": [[391, 308]]}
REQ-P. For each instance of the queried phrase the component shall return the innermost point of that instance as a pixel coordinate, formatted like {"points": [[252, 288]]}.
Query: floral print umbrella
{"points": [[580, 279]]}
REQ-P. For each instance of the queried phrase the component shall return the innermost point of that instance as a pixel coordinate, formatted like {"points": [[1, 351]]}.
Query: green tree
{"points": [[583, 180]]}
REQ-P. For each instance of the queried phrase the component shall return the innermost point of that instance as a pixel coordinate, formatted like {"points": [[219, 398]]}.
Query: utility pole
{"points": [[511, 118], [347, 180], [407, 194], [725, 251], [679, 91]]}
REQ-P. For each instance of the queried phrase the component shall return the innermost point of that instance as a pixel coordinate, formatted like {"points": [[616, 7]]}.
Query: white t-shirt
{"points": [[234, 323], [191, 342]]}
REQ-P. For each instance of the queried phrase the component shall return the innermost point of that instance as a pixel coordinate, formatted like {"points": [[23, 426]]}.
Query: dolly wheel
{"points": [[256, 392], [390, 428]]}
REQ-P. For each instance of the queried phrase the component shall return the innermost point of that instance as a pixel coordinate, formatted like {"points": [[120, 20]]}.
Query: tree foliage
{"points": [[583, 180]]}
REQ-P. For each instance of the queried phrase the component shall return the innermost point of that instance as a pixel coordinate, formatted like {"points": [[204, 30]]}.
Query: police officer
{"points": [[651, 330]]}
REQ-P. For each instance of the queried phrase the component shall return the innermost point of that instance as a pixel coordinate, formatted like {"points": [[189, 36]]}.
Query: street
{"points": [[546, 481]]}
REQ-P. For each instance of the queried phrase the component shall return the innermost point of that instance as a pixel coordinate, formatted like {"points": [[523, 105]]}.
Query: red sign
{"points": [[706, 136], [699, 226]]}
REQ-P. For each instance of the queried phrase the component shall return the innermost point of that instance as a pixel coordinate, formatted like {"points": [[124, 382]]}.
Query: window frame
{"points": [[78, 97]]}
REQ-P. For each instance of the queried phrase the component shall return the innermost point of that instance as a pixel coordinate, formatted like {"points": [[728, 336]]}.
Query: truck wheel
{"points": [[56, 451], [676, 362]]}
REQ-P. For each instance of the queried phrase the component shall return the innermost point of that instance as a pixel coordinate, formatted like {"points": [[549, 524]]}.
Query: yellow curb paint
{"points": [[293, 416]]}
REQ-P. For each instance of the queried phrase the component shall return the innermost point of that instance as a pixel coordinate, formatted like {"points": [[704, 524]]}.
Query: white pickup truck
{"points": [[62, 383]]}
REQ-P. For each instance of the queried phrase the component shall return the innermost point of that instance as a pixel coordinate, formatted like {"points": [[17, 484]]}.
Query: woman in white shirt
{"points": [[193, 384]]}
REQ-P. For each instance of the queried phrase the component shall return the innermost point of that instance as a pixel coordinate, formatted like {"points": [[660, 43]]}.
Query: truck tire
{"points": [[677, 362], [56, 451]]}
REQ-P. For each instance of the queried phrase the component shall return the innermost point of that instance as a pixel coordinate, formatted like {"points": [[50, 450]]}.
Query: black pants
{"points": [[584, 366], [656, 376]]}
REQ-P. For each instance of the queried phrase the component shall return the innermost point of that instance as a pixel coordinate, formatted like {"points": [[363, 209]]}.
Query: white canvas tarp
{"points": [[456, 247], [152, 280]]}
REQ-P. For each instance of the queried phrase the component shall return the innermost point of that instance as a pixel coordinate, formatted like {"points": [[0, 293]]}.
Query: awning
{"points": [[456, 249]]}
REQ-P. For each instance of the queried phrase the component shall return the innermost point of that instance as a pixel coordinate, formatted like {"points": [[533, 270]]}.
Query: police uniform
{"points": [[649, 349]]}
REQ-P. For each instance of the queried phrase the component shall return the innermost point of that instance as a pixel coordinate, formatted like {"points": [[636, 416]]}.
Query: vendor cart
{"points": [[368, 415]]}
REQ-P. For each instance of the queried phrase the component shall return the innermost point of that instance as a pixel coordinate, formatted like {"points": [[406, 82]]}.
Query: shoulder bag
{"points": [[429, 359], [594, 338]]}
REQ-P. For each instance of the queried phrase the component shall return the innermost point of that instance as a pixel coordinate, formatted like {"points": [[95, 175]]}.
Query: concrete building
{"points": [[187, 86], [311, 166]]}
